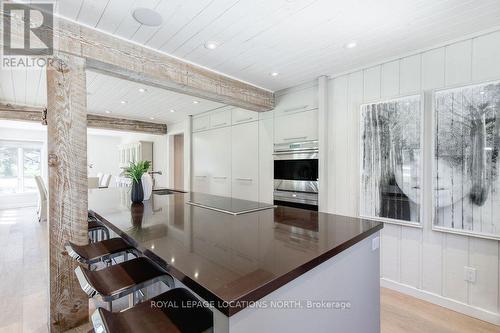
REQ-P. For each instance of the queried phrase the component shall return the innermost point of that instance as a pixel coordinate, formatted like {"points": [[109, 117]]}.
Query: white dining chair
{"points": [[105, 180], [99, 175], [42, 199]]}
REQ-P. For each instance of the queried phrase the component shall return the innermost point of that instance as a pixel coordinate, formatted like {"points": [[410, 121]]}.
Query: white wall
{"points": [[419, 261], [102, 153]]}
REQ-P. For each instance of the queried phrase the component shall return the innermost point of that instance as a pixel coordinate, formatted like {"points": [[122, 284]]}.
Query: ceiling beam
{"points": [[36, 114], [21, 113], [119, 57], [120, 124]]}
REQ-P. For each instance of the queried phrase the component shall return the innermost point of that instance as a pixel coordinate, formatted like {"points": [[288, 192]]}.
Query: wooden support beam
{"points": [[119, 124], [68, 188], [35, 114], [22, 113], [115, 56]]}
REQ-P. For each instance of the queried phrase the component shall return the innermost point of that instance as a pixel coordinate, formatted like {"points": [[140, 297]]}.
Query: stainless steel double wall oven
{"points": [[296, 174]]}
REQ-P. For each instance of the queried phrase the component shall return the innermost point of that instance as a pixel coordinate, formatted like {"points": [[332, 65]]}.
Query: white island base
{"points": [[349, 279]]}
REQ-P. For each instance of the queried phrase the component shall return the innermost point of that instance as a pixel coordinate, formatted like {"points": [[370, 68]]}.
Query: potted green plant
{"points": [[135, 171]]}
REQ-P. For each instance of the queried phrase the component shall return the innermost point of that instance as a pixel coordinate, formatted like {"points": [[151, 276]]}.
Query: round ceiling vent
{"points": [[147, 17]]}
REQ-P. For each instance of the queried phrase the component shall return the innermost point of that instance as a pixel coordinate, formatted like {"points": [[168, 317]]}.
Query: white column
{"points": [[323, 142]]}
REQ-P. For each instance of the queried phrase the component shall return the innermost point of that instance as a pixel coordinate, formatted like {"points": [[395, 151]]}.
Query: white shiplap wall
{"points": [[428, 264]]}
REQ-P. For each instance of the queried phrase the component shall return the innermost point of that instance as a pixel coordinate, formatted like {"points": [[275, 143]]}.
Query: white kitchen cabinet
{"points": [[266, 115], [201, 123], [201, 159], [220, 118], [245, 161], [240, 116], [212, 161], [296, 101], [297, 127], [219, 161], [266, 163]]}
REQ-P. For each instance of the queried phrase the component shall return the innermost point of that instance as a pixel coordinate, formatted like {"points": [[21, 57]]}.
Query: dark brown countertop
{"points": [[225, 258]]}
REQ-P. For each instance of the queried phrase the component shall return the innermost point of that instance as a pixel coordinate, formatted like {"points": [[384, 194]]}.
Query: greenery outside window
{"points": [[20, 162]]}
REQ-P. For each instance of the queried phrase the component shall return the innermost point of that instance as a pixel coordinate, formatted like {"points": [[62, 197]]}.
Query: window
{"points": [[20, 162]]}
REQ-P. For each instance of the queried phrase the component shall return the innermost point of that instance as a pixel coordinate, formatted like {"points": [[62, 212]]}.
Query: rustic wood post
{"points": [[67, 159]]}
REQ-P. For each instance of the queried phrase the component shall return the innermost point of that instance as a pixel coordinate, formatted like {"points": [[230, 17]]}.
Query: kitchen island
{"points": [[261, 268]]}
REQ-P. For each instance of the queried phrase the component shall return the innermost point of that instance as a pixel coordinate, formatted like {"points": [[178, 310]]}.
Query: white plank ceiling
{"points": [[300, 39], [105, 96], [106, 93], [23, 86]]}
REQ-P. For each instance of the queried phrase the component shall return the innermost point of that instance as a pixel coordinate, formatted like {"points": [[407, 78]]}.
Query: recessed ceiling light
{"points": [[151, 118], [196, 102], [482, 92], [172, 110], [211, 45], [107, 111], [274, 74], [148, 17], [351, 45], [142, 90], [123, 102]]}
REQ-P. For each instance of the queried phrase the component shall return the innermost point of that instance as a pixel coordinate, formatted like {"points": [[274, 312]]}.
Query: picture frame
{"points": [[416, 202], [445, 217]]}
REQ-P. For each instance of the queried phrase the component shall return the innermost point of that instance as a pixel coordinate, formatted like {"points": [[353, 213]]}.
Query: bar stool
{"points": [[97, 231], [167, 312], [122, 279], [103, 251]]}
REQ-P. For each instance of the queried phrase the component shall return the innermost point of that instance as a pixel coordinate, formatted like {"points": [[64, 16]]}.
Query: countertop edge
{"points": [[279, 282]]}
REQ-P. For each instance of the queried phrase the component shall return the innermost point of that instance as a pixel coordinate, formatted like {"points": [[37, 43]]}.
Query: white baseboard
{"points": [[449, 303]]}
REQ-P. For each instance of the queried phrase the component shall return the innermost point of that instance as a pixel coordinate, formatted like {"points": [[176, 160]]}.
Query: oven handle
{"points": [[283, 152]]}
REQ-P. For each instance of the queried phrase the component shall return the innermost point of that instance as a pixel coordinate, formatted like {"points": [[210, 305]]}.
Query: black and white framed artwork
{"points": [[391, 160], [466, 188]]}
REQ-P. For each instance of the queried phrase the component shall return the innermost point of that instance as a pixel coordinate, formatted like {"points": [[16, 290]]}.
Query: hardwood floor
{"points": [[23, 272], [403, 313], [24, 300]]}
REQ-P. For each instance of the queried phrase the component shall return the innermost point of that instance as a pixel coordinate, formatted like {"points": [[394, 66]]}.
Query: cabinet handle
{"points": [[296, 138], [245, 179], [221, 177], [296, 108], [221, 124], [200, 128], [244, 119], [201, 176]]}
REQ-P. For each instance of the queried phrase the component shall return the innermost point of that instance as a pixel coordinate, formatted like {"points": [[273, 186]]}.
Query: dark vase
{"points": [[137, 194]]}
